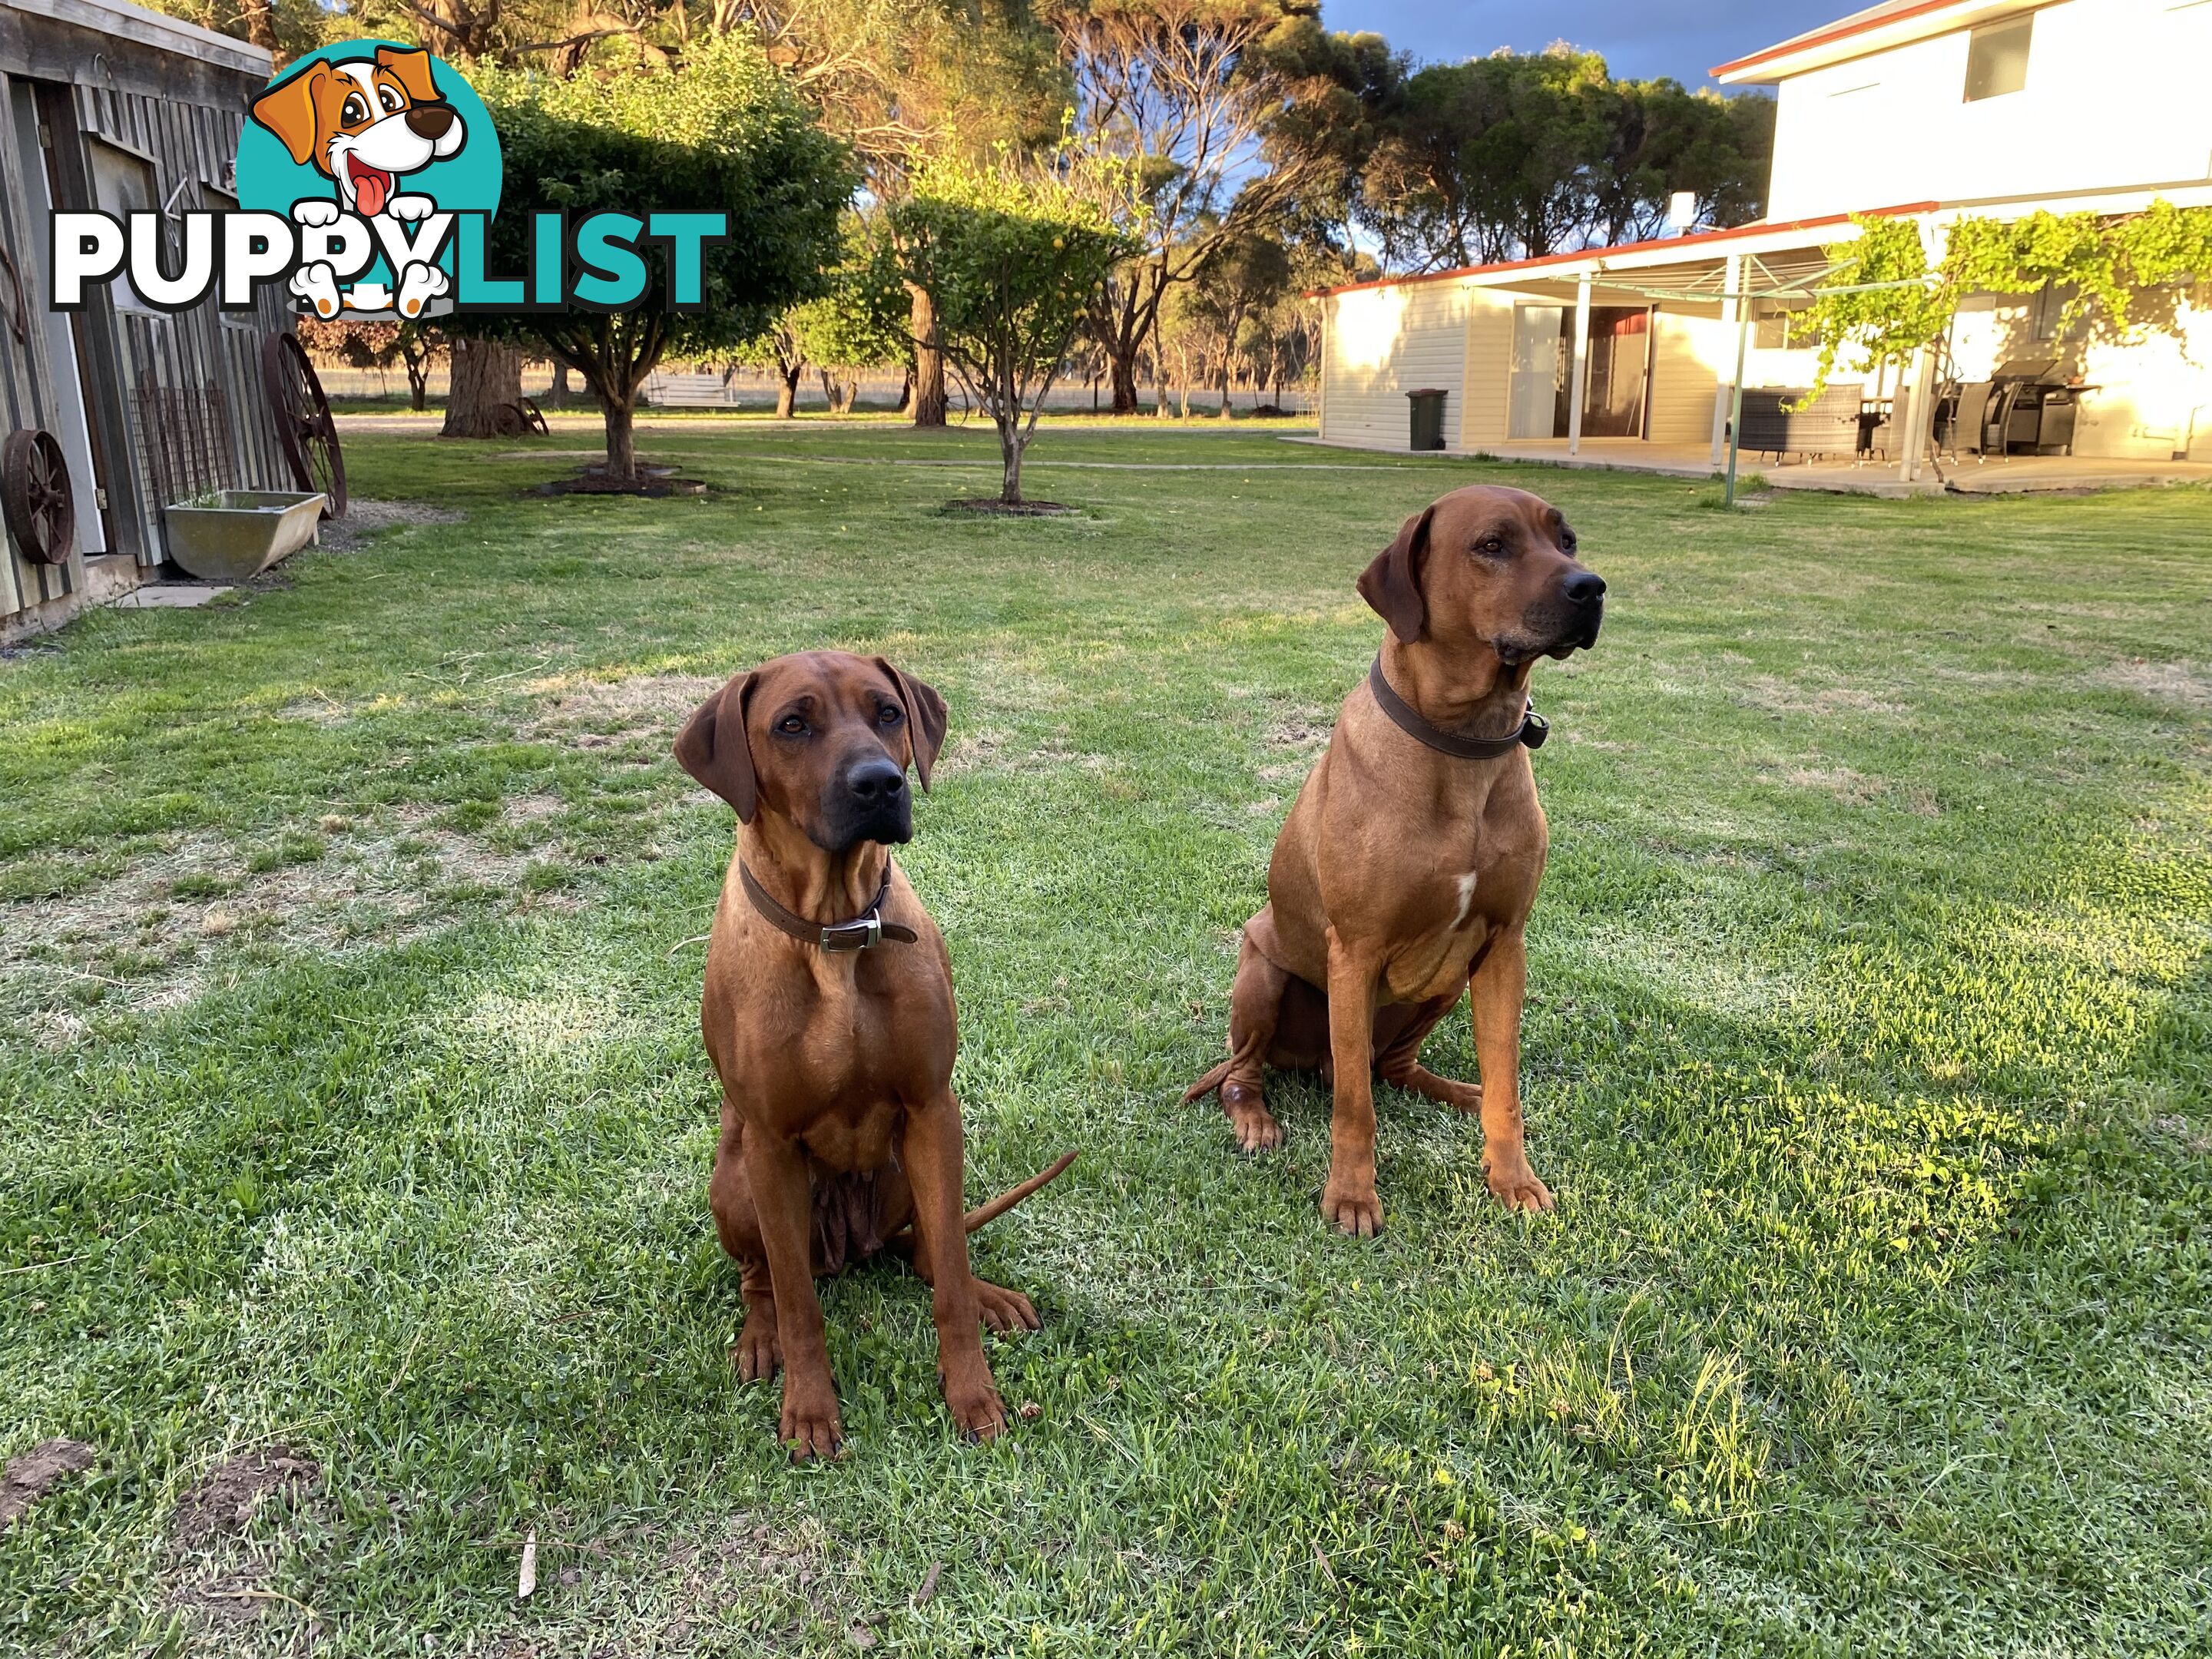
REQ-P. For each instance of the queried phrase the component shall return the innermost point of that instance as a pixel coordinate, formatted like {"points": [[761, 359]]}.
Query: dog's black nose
{"points": [[1584, 587], [429, 120], [874, 782]]}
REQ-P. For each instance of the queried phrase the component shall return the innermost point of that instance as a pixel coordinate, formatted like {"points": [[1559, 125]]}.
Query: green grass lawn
{"points": [[352, 1101]]}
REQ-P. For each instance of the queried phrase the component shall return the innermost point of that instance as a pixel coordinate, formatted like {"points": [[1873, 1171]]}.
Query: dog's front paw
{"points": [[315, 211], [1515, 1186], [418, 285], [317, 284], [810, 1426], [977, 1411], [411, 207], [1005, 1310], [1355, 1211]]}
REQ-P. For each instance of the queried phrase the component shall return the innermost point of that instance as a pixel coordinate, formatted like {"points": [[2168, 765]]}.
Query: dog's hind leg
{"points": [[1254, 1006], [756, 1354], [1400, 1031]]}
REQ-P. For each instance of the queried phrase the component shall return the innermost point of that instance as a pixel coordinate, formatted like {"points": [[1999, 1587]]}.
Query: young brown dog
{"points": [[1408, 865], [829, 1015]]}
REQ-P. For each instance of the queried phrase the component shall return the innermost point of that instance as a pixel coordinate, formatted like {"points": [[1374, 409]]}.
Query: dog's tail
{"points": [[985, 1213], [1212, 1080]]}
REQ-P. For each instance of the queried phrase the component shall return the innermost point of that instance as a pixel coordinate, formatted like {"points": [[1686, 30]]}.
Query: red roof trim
{"points": [[1762, 228], [1842, 31]]}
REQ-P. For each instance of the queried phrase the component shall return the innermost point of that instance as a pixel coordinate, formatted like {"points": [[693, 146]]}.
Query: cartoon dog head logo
{"points": [[385, 134], [365, 124]]}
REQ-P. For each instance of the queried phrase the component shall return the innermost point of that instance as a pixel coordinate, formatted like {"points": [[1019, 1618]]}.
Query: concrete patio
{"points": [[2016, 475]]}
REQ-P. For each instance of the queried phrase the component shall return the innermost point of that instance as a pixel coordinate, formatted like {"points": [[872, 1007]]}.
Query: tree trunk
{"points": [[261, 23], [622, 438], [1010, 453], [1123, 370], [929, 400], [787, 391], [487, 382], [558, 393], [906, 394]]}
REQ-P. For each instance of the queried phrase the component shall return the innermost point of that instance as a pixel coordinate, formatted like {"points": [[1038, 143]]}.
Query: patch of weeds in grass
{"points": [[295, 847], [204, 884], [545, 877], [469, 816]]}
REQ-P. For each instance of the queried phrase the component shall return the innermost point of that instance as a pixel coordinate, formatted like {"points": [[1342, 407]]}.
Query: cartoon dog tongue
{"points": [[371, 186]]}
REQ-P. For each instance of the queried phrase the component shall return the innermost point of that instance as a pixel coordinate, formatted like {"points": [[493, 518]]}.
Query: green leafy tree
{"points": [[1010, 264], [722, 130]]}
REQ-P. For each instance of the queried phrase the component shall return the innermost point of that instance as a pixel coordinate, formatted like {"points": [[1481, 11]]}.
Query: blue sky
{"points": [[1639, 37]]}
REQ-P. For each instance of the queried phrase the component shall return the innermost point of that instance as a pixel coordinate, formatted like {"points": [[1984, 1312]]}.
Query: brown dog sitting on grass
{"points": [[1407, 869], [829, 1015]]}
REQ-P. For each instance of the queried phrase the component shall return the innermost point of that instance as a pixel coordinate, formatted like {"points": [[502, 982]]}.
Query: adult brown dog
{"points": [[1409, 863], [829, 1015]]}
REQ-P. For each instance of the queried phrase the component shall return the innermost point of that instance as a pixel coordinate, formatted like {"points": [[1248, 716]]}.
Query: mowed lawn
{"points": [[353, 1110]]}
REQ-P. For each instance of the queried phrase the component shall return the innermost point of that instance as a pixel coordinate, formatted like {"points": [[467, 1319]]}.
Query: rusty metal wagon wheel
{"points": [[34, 491], [534, 417], [507, 421], [304, 427]]}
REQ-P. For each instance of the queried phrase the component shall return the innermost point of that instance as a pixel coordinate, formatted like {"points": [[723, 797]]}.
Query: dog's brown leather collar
{"points": [[864, 930], [1530, 733]]}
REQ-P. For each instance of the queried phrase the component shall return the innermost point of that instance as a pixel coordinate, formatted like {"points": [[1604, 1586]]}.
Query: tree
{"points": [[1177, 94], [484, 388], [1246, 277], [1509, 156], [722, 130], [1010, 264], [902, 81], [378, 345], [779, 347], [848, 330]]}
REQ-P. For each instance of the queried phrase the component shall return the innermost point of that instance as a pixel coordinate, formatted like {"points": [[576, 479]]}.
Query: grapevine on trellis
{"points": [[2103, 265]]}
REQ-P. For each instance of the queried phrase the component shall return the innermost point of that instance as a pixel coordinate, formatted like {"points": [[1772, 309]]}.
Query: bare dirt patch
{"points": [[156, 933], [751, 1586], [1791, 697], [37, 1472], [229, 1575], [2186, 684], [365, 521], [224, 1500], [582, 712]]}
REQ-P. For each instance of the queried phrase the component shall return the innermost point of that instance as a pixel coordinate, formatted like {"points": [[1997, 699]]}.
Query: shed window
{"points": [[1996, 59], [122, 185]]}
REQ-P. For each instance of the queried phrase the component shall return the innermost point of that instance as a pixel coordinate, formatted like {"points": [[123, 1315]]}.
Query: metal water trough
{"points": [[235, 534]]}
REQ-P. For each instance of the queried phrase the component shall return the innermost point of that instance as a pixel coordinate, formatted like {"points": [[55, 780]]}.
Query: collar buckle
{"points": [[860, 933]]}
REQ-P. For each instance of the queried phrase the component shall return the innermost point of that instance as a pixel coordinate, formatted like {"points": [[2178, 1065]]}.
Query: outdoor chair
{"points": [[1970, 424], [1829, 425]]}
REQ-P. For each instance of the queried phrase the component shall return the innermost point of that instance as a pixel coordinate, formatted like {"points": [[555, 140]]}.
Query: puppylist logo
{"points": [[367, 177]]}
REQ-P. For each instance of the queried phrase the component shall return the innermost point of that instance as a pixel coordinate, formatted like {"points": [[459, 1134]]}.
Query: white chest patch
{"points": [[1466, 898]]}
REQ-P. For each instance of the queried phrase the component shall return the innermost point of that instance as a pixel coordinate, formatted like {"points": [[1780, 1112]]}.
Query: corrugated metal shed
{"points": [[110, 105]]}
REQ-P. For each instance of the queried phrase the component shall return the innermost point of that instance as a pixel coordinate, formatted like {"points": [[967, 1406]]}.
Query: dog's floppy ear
{"points": [[713, 747], [1392, 584], [287, 109], [925, 717], [413, 69]]}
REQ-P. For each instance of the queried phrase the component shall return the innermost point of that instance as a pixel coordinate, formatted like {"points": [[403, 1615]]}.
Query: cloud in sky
{"points": [[1639, 37]]}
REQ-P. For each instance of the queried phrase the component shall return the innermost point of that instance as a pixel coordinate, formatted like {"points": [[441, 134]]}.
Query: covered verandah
{"points": [[2015, 475]]}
